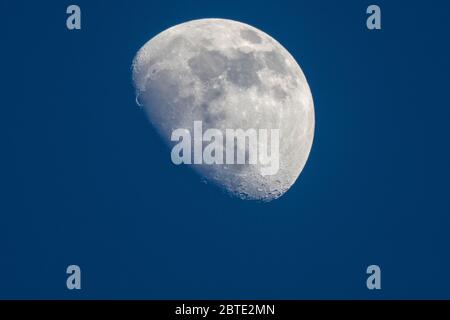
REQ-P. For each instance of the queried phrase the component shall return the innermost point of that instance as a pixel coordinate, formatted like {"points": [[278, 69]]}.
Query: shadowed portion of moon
{"points": [[228, 75]]}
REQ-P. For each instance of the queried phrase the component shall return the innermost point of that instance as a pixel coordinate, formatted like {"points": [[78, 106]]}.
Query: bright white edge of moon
{"points": [[228, 74]]}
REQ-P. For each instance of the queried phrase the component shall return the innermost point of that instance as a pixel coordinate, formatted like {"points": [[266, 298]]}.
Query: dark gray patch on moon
{"points": [[212, 94], [279, 93], [243, 70], [208, 65], [250, 36], [275, 62]]}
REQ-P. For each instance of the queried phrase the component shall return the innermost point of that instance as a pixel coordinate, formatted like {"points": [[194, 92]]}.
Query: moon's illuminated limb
{"points": [[228, 75]]}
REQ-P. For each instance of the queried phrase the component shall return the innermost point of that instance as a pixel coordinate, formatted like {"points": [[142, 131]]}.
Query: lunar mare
{"points": [[229, 75]]}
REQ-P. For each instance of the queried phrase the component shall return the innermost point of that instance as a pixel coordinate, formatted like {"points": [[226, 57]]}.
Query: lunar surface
{"points": [[229, 75]]}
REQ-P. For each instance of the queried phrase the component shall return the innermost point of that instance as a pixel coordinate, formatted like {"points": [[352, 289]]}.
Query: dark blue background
{"points": [[85, 180]]}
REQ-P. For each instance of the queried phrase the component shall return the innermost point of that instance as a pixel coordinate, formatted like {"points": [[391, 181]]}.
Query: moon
{"points": [[228, 74]]}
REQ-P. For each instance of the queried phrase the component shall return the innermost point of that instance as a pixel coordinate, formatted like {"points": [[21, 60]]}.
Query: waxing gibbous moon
{"points": [[229, 75]]}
